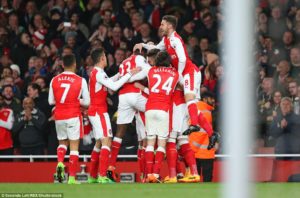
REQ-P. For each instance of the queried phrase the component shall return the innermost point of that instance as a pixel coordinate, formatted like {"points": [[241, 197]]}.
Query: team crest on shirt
{"points": [[109, 132]]}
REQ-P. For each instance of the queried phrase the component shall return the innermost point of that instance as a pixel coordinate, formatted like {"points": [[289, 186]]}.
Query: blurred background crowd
{"points": [[34, 35]]}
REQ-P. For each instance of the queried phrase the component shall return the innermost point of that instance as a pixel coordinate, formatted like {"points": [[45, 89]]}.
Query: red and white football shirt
{"points": [[66, 90], [128, 64], [162, 82]]}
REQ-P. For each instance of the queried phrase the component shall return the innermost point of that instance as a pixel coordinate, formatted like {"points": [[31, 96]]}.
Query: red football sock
{"points": [[94, 162], [205, 124], [149, 156], [172, 158], [193, 112], [73, 161], [159, 158], [103, 159], [181, 154], [115, 148], [141, 160], [61, 152], [189, 156], [179, 169]]}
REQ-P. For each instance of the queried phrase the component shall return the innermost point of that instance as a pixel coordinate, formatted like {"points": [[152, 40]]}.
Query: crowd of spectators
{"points": [[34, 35]]}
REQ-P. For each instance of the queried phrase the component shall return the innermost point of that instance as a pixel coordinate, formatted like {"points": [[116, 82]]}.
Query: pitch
{"points": [[212, 190]]}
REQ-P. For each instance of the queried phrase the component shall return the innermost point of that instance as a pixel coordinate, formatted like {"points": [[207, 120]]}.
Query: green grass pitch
{"points": [[261, 190]]}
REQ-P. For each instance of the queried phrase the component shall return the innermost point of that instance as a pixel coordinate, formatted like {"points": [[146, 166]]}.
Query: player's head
{"points": [[163, 59], [168, 24], [99, 58], [69, 62], [151, 56]]}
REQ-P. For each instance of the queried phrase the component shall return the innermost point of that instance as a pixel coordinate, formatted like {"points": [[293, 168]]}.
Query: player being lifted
{"points": [[99, 83], [174, 45], [131, 100], [162, 80], [68, 92]]}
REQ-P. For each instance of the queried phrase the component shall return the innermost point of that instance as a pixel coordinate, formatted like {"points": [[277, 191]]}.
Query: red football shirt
{"points": [[162, 82], [65, 92]]}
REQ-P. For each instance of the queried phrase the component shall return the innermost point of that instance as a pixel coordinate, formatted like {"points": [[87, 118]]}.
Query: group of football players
{"points": [[165, 109]]}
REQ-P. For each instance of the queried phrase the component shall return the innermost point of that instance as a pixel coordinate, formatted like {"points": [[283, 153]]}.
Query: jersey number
{"points": [[66, 90], [125, 69], [167, 86]]}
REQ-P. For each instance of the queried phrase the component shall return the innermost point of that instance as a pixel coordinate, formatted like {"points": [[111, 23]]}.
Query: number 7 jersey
{"points": [[66, 90], [162, 82]]}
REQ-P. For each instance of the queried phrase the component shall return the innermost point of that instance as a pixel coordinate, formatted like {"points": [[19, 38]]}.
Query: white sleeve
{"points": [[160, 45], [85, 101], [109, 83], [51, 99], [181, 80], [9, 122], [179, 49], [145, 66], [115, 77]]}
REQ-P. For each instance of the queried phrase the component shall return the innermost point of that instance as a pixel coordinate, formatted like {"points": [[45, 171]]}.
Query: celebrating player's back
{"points": [[65, 93], [162, 80]]}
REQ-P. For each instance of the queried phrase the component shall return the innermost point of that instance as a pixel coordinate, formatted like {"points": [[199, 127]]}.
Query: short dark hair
{"points": [[35, 86], [69, 60], [171, 19], [163, 59], [96, 54], [153, 52]]}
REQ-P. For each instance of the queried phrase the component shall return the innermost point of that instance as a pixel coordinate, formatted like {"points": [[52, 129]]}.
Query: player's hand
{"points": [[150, 43], [135, 71], [139, 86], [138, 46]]}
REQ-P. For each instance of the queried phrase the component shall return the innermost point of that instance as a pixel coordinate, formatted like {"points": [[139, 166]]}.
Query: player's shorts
{"points": [[69, 128], [101, 125], [192, 82], [128, 105], [180, 121], [157, 123], [140, 126]]}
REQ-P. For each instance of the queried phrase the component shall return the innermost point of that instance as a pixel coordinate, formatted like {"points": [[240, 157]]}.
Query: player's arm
{"points": [[140, 46], [145, 67], [51, 99], [85, 100], [142, 87], [115, 77], [8, 123], [109, 83], [179, 49]]}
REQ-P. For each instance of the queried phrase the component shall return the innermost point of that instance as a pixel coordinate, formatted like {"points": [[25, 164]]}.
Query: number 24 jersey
{"points": [[162, 82]]}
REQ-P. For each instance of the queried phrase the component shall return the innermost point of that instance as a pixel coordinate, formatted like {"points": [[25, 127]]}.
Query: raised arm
{"points": [[140, 46]]}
